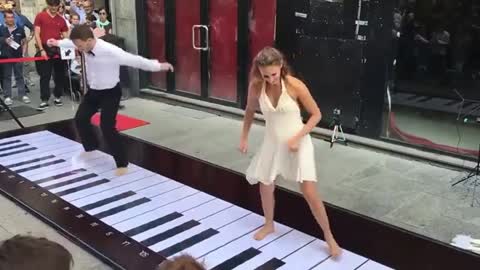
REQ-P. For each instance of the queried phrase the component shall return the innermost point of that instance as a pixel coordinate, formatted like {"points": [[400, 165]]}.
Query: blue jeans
{"points": [[7, 79]]}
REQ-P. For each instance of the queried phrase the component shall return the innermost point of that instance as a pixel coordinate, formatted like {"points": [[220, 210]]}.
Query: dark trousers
{"points": [[108, 101], [45, 70], [17, 69]]}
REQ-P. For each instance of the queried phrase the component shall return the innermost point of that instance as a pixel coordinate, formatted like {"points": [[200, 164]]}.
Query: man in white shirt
{"points": [[102, 64]]}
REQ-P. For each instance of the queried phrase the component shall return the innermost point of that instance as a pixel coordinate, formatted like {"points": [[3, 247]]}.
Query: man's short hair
{"points": [[8, 11], [53, 3], [81, 32], [26, 253]]}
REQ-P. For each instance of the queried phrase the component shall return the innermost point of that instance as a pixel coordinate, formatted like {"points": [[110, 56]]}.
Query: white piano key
{"points": [[126, 183], [218, 220], [114, 204], [206, 210], [347, 261], [93, 166], [224, 253], [371, 265], [76, 184], [226, 234], [215, 221], [49, 146], [179, 206], [278, 249], [156, 202], [62, 152], [28, 136], [307, 257]]}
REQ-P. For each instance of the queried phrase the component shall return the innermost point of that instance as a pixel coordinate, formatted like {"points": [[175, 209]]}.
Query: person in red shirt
{"points": [[50, 25]]}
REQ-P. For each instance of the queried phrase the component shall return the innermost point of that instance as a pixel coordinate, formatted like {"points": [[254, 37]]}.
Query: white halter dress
{"points": [[274, 158]]}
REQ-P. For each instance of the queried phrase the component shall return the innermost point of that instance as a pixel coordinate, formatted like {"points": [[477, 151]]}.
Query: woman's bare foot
{"points": [[333, 247], [264, 231], [121, 171]]}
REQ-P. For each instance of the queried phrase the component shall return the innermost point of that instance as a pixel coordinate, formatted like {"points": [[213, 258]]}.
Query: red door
{"points": [[187, 64], [156, 38], [223, 49], [206, 45]]}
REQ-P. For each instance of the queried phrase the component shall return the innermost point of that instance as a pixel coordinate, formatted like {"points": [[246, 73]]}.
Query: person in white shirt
{"points": [[102, 64]]}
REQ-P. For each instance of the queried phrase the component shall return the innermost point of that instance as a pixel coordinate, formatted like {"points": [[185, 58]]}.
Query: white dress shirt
{"points": [[103, 67]]}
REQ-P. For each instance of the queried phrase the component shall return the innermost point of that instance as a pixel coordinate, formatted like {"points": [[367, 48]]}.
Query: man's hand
{"points": [[167, 66], [52, 42]]}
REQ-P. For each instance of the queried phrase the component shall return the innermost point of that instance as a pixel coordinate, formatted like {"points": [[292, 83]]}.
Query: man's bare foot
{"points": [[333, 247], [121, 171], [264, 231]]}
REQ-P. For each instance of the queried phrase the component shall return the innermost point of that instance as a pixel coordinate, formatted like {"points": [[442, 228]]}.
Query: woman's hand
{"points": [[293, 144], [243, 145]]}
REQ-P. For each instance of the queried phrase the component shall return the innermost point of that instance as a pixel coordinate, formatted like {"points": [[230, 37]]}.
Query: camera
{"points": [[336, 112]]}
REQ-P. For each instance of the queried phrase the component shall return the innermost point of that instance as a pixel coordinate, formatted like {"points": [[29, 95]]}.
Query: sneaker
{"points": [[26, 100], [57, 102], [42, 106], [8, 101]]}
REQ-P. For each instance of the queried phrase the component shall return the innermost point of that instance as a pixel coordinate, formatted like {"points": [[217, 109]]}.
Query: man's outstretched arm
{"points": [[137, 61]]}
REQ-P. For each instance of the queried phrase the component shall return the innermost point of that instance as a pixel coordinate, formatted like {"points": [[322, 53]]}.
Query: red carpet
{"points": [[425, 142], [123, 122]]}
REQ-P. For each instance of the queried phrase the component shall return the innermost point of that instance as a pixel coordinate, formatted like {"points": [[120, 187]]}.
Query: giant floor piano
{"points": [[169, 204]]}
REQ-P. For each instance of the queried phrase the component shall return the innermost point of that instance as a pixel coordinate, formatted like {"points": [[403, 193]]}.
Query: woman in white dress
{"points": [[287, 149]]}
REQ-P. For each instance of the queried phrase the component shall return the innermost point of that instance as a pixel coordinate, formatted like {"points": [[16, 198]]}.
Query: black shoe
{"points": [[42, 106], [57, 102]]}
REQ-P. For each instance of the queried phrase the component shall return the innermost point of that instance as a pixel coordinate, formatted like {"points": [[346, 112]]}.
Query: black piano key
{"points": [[79, 188], [30, 161], [152, 224], [237, 259], [18, 152], [169, 233], [188, 242], [69, 182], [43, 165], [58, 176], [121, 208], [108, 200], [10, 142], [13, 147], [271, 264]]}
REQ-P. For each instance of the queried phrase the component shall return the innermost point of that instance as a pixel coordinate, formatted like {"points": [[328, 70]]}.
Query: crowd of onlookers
{"points": [[56, 20], [32, 253]]}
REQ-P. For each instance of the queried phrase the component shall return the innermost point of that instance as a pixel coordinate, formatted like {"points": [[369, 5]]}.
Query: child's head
{"points": [[30, 253], [90, 20], [74, 19], [183, 262]]}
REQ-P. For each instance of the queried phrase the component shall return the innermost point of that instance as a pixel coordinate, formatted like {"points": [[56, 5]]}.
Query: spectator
{"points": [[183, 262], [49, 25], [12, 40], [30, 253], [89, 7], [74, 20], [103, 21], [22, 21]]}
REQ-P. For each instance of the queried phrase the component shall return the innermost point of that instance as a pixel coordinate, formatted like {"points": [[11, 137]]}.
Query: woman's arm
{"points": [[307, 101], [252, 106]]}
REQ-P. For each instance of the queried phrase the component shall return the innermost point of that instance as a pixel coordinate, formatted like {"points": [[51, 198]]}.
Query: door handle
{"points": [[207, 46]]}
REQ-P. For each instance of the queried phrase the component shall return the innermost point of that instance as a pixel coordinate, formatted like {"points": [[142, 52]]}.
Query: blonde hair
{"points": [[269, 56]]}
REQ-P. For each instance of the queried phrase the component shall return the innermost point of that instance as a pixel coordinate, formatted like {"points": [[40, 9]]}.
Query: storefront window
{"points": [[434, 91]]}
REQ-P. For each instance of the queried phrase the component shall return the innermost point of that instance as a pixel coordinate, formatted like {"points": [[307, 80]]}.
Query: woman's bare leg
{"points": [[318, 210], [268, 204]]}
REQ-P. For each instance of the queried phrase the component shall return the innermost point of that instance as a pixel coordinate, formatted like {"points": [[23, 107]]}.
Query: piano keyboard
{"points": [[163, 215]]}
